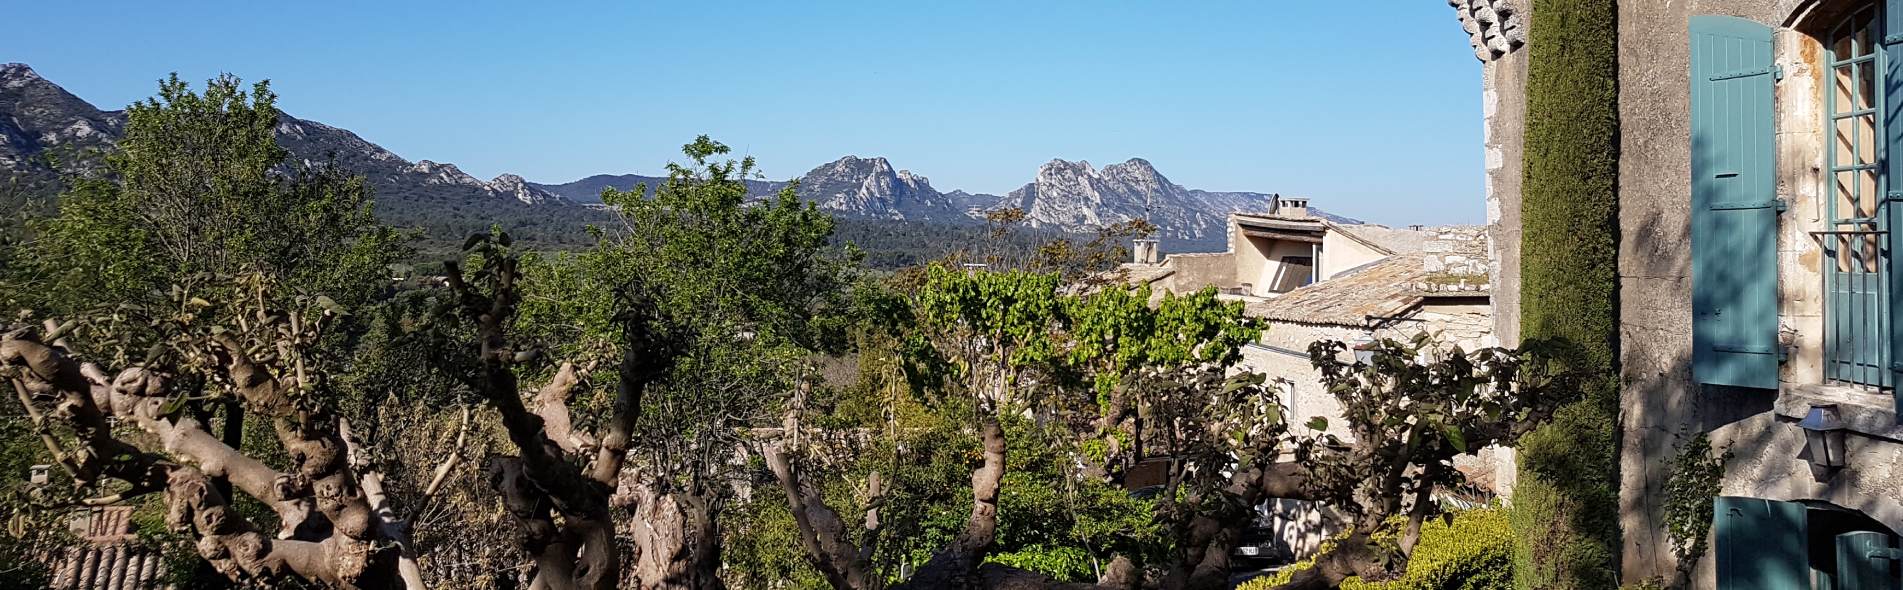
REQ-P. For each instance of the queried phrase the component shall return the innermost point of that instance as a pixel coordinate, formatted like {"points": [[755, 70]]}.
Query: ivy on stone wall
{"points": [[1697, 473], [1565, 514]]}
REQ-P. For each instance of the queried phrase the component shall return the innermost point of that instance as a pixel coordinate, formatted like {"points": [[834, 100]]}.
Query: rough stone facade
{"points": [[1503, 107], [1662, 406], [1494, 27]]}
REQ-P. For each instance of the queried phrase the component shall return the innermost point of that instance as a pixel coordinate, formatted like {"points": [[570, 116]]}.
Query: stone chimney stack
{"points": [[1291, 206], [1147, 251]]}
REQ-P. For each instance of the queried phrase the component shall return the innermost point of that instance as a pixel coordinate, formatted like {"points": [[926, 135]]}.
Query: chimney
{"points": [[1291, 206], [1147, 251]]}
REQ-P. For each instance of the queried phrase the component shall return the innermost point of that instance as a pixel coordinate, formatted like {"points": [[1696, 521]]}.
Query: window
{"points": [[1856, 316], [1293, 272]]}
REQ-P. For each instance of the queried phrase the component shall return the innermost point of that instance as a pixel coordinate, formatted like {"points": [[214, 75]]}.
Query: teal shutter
{"points": [[1734, 204], [1891, 101], [1760, 544], [1866, 561]]}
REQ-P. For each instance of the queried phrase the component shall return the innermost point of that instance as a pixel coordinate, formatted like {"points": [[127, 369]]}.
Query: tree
{"points": [[1411, 408], [329, 519], [1117, 380], [732, 297], [198, 193], [199, 185]]}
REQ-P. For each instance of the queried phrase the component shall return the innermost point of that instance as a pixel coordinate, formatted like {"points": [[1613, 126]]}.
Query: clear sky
{"points": [[1370, 108]]}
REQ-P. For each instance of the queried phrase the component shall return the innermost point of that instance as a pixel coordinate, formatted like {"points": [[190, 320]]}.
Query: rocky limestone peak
{"points": [[515, 186], [857, 163], [871, 187], [444, 173], [1058, 166], [1135, 170], [15, 75]]}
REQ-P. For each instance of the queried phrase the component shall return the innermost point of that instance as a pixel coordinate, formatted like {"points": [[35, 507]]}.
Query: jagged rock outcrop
{"points": [[38, 117], [510, 185], [434, 173], [871, 187], [1074, 196]]}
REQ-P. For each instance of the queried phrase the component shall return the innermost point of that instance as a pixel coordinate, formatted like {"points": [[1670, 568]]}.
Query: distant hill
{"points": [[1064, 196], [42, 122]]}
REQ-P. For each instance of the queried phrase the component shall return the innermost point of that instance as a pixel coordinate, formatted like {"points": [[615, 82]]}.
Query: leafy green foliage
{"points": [[1697, 475], [200, 185], [1473, 550], [1567, 497], [1060, 563], [1413, 408]]}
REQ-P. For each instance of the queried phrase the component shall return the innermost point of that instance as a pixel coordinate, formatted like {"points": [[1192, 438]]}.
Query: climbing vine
{"points": [[1697, 472]]}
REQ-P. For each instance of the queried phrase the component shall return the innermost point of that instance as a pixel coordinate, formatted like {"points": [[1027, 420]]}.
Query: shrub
{"points": [[1567, 504], [1061, 563], [1474, 552]]}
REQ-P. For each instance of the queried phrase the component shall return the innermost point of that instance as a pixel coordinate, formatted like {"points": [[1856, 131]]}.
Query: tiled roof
{"points": [[1126, 274], [1393, 240], [110, 558], [1281, 222], [118, 566], [1378, 288]]}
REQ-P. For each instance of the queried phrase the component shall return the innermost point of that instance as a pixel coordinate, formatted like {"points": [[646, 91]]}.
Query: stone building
{"points": [[1312, 280], [1756, 282]]}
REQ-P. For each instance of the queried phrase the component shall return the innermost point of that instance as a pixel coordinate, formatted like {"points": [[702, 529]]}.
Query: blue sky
{"points": [[1373, 111]]}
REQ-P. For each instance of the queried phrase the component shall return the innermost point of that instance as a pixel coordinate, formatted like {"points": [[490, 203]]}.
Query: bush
{"points": [[1474, 552], [1061, 563]]}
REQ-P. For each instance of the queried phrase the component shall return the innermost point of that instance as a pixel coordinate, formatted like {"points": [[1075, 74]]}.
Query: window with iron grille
{"points": [[1856, 308]]}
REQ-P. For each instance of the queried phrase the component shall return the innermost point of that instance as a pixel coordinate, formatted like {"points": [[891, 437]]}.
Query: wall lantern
{"points": [[1824, 437], [1364, 349]]}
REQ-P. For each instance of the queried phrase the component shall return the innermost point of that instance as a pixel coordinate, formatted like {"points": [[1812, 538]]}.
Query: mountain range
{"points": [[39, 118]]}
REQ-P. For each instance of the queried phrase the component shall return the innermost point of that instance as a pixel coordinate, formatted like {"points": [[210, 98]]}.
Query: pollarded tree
{"points": [[198, 185], [330, 519], [1009, 343], [982, 337], [736, 293], [1114, 371], [560, 483]]}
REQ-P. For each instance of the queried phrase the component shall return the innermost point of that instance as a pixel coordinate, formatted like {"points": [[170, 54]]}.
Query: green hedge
{"points": [[1474, 552], [1566, 505]]}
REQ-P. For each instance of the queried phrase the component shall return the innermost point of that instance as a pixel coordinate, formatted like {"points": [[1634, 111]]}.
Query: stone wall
{"points": [[1195, 271], [1456, 251], [1452, 321], [1282, 354], [1494, 27], [1503, 108], [1662, 405]]}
